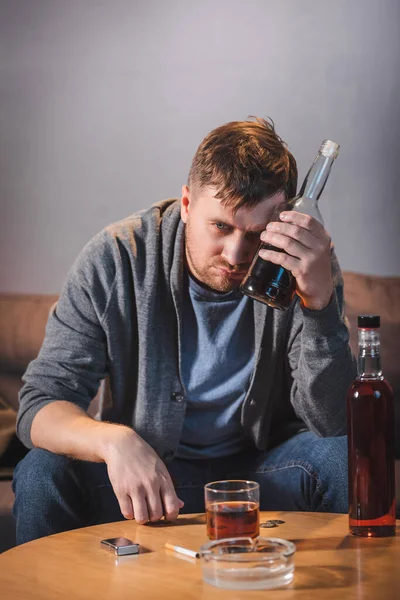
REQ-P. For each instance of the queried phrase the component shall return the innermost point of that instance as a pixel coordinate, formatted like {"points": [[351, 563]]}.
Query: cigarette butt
{"points": [[185, 551]]}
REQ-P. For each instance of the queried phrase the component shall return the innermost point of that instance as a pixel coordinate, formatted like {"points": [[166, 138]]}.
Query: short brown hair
{"points": [[246, 161]]}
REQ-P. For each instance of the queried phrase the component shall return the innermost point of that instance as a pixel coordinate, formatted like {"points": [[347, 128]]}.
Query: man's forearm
{"points": [[63, 428]]}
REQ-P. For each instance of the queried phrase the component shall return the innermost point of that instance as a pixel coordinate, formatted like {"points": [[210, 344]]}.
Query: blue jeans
{"points": [[54, 493]]}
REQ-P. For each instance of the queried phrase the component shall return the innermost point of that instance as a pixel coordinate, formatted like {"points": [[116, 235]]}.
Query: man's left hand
{"points": [[307, 255]]}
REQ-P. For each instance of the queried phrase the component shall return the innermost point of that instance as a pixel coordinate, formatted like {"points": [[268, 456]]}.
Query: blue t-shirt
{"points": [[217, 363]]}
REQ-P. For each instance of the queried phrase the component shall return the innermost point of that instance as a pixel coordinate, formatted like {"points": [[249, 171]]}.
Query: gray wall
{"points": [[104, 103]]}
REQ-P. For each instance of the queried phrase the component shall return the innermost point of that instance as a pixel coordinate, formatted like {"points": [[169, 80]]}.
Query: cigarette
{"points": [[181, 550]]}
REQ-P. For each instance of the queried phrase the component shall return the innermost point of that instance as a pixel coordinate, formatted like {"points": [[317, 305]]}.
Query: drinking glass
{"points": [[232, 509]]}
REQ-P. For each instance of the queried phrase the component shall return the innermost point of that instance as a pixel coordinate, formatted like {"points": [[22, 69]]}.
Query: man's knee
{"points": [[38, 470], [331, 451], [48, 496], [325, 460]]}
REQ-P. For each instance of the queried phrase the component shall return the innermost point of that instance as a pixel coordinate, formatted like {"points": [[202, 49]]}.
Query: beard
{"points": [[208, 274]]}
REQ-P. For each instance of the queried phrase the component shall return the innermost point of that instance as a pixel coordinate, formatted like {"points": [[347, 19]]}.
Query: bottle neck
{"points": [[369, 354], [316, 178]]}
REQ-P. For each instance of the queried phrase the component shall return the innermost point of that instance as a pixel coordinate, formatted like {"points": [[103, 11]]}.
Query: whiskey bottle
{"points": [[270, 283], [370, 424]]}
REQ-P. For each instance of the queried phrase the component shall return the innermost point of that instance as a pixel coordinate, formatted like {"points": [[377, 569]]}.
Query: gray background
{"points": [[103, 104]]}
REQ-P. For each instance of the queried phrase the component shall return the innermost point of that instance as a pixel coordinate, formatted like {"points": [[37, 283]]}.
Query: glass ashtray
{"points": [[248, 564]]}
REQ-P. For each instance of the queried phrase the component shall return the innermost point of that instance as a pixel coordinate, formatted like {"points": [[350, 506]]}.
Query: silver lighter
{"points": [[120, 546]]}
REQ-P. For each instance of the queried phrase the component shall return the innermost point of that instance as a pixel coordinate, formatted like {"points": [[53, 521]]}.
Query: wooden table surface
{"points": [[73, 565]]}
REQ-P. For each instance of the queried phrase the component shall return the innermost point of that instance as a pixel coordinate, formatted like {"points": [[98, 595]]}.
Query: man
{"points": [[206, 383]]}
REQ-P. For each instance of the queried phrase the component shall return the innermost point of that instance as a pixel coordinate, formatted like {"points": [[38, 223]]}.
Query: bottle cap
{"points": [[329, 149], [369, 321]]}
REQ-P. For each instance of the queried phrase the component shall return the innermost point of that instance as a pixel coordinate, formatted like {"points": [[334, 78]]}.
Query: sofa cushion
{"points": [[7, 525], [9, 388], [7, 426], [371, 294], [23, 319]]}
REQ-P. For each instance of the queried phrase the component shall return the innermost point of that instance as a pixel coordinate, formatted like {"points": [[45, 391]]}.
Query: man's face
{"points": [[220, 245]]}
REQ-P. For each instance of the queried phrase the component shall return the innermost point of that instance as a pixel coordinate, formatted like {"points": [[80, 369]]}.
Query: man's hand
{"points": [[140, 479], [307, 255], [138, 476]]}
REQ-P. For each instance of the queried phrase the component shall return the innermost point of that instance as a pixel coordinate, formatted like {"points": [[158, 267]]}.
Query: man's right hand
{"points": [[140, 480]]}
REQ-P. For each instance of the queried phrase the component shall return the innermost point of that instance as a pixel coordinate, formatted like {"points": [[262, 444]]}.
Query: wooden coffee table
{"points": [[72, 565]]}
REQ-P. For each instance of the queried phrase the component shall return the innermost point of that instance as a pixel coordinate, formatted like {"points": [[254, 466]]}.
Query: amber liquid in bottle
{"points": [[370, 421], [270, 283]]}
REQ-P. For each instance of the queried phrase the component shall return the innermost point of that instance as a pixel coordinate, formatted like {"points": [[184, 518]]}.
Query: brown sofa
{"points": [[22, 325]]}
